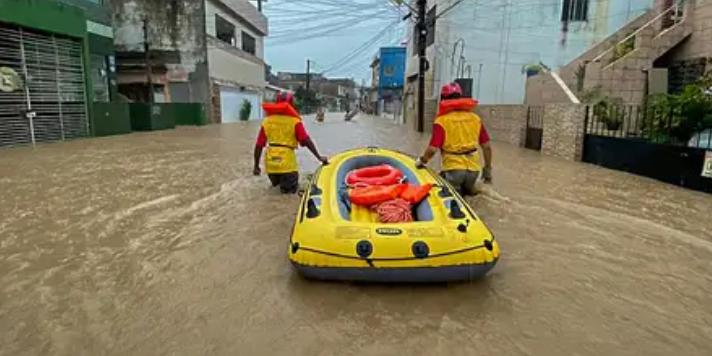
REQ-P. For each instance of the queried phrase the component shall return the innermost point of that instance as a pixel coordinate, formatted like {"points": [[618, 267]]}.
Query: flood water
{"points": [[164, 244]]}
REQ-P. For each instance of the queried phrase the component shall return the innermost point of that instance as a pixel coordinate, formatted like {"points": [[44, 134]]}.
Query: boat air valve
{"points": [[455, 210], [364, 249], [312, 210], [463, 227], [488, 245], [420, 249]]}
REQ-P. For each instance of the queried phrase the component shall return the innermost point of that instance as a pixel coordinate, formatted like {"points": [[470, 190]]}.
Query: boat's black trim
{"points": [[449, 253], [458, 273]]}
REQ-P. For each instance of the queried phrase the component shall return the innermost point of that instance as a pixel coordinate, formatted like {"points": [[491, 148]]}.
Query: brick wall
{"points": [[506, 123], [564, 131]]}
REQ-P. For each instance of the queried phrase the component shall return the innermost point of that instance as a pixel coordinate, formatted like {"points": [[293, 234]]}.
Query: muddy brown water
{"points": [[164, 244]]}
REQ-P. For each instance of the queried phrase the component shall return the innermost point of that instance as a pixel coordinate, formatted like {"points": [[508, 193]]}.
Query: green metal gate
{"points": [[42, 88]]}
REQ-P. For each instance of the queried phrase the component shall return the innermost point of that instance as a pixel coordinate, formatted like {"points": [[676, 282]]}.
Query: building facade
{"points": [[208, 51], [659, 52], [56, 71], [491, 42], [388, 79]]}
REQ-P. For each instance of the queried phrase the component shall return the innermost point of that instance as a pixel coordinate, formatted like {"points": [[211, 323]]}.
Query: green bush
{"points": [[245, 110], [623, 48], [678, 116], [607, 110]]}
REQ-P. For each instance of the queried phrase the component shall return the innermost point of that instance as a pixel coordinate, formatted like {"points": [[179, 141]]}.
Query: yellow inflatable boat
{"points": [[333, 239]]}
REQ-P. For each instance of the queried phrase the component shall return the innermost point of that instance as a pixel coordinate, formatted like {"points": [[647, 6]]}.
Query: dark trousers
{"points": [[288, 182], [463, 180]]}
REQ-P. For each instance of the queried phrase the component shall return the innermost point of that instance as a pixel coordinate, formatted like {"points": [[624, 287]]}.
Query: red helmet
{"points": [[285, 96], [450, 89]]}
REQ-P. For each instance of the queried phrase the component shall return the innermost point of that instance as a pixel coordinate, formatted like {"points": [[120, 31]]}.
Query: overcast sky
{"points": [[341, 36]]}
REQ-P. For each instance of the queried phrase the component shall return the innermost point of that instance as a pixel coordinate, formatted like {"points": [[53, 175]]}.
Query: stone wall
{"points": [[564, 131], [506, 123], [543, 89], [699, 45]]}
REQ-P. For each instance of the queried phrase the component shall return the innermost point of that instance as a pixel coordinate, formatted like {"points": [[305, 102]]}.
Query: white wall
{"points": [[228, 66], [529, 31], [231, 100]]}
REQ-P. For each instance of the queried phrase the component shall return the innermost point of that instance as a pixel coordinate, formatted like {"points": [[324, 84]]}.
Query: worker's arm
{"points": [[428, 155], [258, 154], [436, 142], [306, 141], [259, 145], [487, 150]]}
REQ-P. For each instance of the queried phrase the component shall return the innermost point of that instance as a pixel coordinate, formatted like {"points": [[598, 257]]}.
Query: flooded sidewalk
{"points": [[164, 243]]}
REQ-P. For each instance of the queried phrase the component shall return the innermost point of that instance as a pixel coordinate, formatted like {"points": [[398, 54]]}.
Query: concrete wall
{"points": [[506, 123], [564, 131], [232, 65], [177, 31], [504, 38]]}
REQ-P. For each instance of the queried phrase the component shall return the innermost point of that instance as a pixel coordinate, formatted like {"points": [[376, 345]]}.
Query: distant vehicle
{"points": [[702, 139]]}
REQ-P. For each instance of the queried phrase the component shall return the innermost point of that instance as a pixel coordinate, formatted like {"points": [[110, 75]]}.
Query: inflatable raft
{"points": [[334, 239]]}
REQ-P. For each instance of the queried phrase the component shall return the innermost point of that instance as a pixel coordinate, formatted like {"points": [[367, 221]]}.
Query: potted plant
{"points": [[534, 69], [245, 110]]}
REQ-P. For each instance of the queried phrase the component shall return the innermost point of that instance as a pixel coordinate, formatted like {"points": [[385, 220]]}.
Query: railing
{"points": [[667, 23], [636, 123]]}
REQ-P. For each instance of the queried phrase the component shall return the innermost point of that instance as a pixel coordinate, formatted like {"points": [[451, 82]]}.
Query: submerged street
{"points": [[164, 243]]}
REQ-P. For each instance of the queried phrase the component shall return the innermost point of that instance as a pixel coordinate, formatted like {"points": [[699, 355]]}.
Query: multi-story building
{"points": [[56, 71], [492, 42], [387, 80], [208, 51], [657, 53]]}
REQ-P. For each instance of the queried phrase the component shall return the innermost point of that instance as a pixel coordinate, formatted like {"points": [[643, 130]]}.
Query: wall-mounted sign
{"points": [[9, 80], [707, 166]]}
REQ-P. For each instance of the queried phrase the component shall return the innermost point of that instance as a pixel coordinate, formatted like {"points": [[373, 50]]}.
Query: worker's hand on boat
{"points": [[256, 171], [419, 163], [487, 174], [324, 160]]}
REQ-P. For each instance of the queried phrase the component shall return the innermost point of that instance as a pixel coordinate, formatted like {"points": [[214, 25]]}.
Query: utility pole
{"points": [[422, 28], [259, 5], [308, 95], [308, 79], [479, 81], [149, 69]]}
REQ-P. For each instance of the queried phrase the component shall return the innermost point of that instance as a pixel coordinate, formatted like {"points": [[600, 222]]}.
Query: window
{"points": [[248, 43], [224, 30], [574, 10]]}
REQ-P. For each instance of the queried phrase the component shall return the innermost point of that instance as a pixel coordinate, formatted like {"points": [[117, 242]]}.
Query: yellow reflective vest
{"points": [[282, 143], [462, 136]]}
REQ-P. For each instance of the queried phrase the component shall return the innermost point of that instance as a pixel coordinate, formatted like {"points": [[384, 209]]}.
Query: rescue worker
{"points": [[458, 133], [282, 130]]}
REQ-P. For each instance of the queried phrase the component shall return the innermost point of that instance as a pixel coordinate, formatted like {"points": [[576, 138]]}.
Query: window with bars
{"points": [[248, 43], [224, 30], [574, 10]]}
